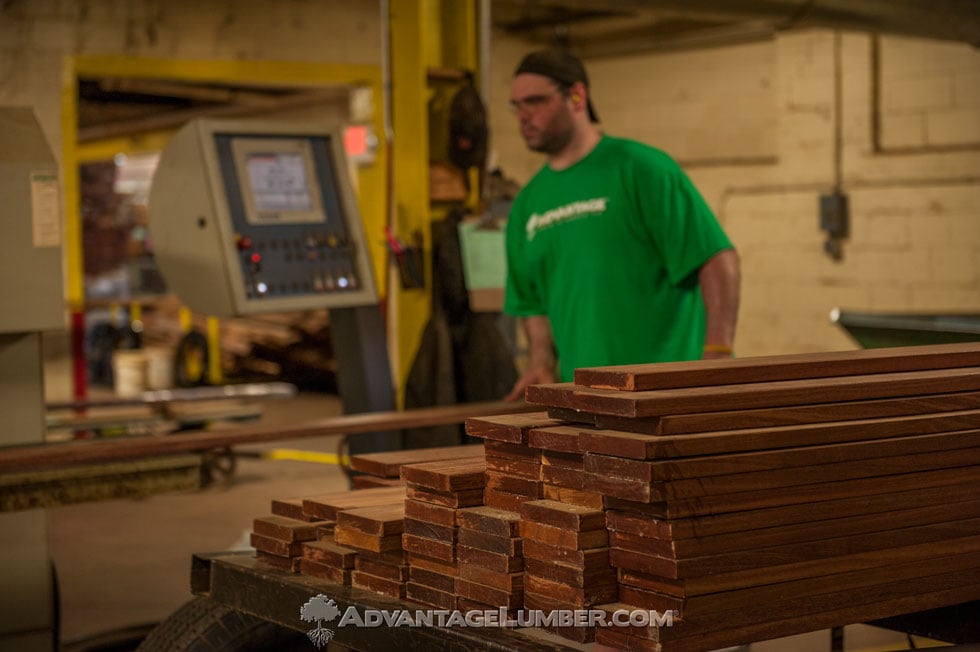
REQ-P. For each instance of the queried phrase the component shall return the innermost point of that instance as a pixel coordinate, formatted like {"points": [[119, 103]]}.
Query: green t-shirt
{"points": [[609, 250]]}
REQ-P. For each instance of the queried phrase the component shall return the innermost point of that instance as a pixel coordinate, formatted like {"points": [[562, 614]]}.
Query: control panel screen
{"points": [[278, 179]]}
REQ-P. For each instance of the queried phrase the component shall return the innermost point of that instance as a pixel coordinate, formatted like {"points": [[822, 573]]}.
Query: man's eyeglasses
{"points": [[532, 102]]}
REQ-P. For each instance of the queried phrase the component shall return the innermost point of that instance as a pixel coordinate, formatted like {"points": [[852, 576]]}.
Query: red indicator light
{"points": [[256, 258], [244, 243]]}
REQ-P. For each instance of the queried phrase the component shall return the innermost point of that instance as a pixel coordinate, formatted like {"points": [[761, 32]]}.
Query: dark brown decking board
{"points": [[809, 568], [430, 530], [649, 447], [430, 513], [802, 494], [811, 532], [777, 458], [763, 523], [284, 528], [562, 438], [792, 415], [791, 553], [489, 520], [793, 606], [755, 395], [447, 475], [560, 515], [452, 499], [511, 428], [387, 464], [765, 630], [756, 596], [327, 506], [694, 373], [381, 520], [783, 478]]}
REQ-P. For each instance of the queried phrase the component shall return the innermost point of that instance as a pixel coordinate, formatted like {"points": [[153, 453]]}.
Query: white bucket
{"points": [[129, 372], [159, 368]]}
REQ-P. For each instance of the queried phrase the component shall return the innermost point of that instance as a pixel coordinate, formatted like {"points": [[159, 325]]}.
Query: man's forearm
{"points": [[541, 345], [720, 281]]}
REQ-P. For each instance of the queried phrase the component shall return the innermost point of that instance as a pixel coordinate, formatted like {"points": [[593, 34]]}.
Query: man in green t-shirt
{"points": [[613, 257]]}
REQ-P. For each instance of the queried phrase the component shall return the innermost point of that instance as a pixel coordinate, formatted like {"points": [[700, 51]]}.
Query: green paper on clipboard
{"points": [[484, 257]]}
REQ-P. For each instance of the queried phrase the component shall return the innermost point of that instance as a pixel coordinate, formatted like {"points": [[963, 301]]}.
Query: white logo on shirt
{"points": [[564, 213]]}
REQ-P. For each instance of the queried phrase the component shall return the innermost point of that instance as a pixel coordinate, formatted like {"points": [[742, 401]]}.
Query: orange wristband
{"points": [[718, 348]]}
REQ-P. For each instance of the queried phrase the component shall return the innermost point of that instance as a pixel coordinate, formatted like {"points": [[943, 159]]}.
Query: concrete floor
{"points": [[124, 563]]}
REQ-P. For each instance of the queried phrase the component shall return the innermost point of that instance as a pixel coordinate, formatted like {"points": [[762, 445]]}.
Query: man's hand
{"points": [[537, 376], [542, 367]]}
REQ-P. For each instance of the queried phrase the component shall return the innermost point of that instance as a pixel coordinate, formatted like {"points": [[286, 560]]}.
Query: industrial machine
{"points": [[259, 216], [31, 301]]}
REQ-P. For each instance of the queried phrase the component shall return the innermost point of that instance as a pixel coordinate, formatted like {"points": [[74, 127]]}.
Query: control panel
{"points": [[252, 217]]}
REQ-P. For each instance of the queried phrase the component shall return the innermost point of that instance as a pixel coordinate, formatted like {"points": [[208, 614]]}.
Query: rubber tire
{"points": [[203, 625]]}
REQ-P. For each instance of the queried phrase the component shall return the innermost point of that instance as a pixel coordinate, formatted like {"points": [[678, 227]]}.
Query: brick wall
{"points": [[761, 130]]}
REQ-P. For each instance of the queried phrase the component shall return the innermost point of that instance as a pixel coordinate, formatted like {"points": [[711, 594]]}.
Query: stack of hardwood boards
{"points": [[756, 498], [766, 497]]}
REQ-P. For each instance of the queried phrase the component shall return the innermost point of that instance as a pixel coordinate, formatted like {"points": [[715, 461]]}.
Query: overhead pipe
{"points": [[949, 20]]}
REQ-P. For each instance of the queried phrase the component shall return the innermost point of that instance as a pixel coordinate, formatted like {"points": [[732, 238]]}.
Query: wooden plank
{"points": [[572, 496], [387, 464], [560, 476], [901, 517], [382, 585], [511, 546], [782, 458], [432, 579], [332, 574], [510, 466], [504, 581], [791, 495], [563, 438], [793, 415], [329, 554], [452, 499], [567, 517], [362, 541], [446, 475], [327, 506], [513, 451], [756, 395], [579, 598], [783, 477], [710, 604], [430, 564], [664, 569], [433, 548], [373, 482], [505, 500], [284, 529], [275, 546], [429, 513], [694, 373], [397, 572], [489, 595], [580, 558], [430, 530], [513, 485], [511, 428], [287, 564], [570, 575], [490, 520], [554, 536], [649, 447], [291, 508], [379, 521], [493, 561], [430, 596], [566, 460], [546, 604], [629, 517]]}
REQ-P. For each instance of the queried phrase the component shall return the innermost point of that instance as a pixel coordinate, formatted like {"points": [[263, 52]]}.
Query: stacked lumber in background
{"points": [[761, 498], [384, 469], [436, 492], [278, 540]]}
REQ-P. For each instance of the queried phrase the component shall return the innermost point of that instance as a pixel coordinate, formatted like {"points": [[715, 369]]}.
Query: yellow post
{"points": [[424, 34], [215, 374]]}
